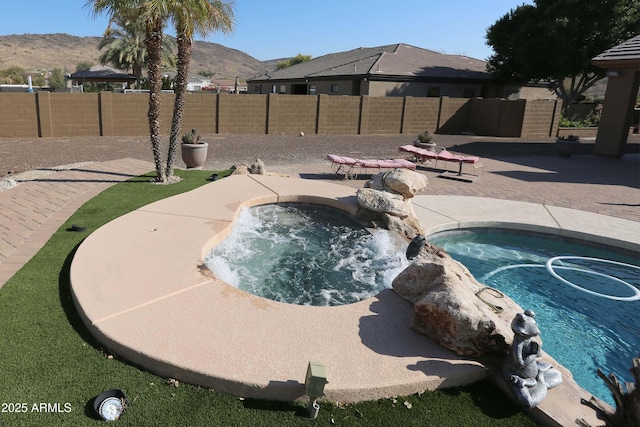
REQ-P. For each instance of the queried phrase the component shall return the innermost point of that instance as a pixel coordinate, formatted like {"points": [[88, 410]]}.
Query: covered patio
{"points": [[623, 69]]}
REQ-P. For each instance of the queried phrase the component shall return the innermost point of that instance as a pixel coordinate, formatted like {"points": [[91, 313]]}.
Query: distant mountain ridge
{"points": [[48, 51]]}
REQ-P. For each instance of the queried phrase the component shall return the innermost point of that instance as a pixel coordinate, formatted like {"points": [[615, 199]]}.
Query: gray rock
{"points": [[447, 307]]}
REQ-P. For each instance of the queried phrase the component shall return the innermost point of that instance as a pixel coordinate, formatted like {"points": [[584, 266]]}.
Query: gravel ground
{"points": [[45, 155], [26, 154]]}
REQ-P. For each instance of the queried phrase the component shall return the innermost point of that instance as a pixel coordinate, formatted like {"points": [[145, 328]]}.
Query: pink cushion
{"points": [[342, 160]]}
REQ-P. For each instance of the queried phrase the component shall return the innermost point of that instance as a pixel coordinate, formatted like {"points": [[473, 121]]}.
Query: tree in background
{"points": [[553, 41], [190, 17], [56, 79], [298, 59], [83, 65], [124, 41], [13, 76]]}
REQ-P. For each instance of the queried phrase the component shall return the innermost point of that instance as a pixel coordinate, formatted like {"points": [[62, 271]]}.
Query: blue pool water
{"points": [[306, 254], [586, 299]]}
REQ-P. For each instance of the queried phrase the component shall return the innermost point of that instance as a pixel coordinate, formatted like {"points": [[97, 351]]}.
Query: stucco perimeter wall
{"points": [[47, 114]]}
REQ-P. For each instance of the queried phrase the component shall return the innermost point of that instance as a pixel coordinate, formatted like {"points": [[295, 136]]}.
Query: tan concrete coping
{"points": [[140, 285]]}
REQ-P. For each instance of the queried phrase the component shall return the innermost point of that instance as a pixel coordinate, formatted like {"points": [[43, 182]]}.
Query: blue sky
{"points": [[283, 28]]}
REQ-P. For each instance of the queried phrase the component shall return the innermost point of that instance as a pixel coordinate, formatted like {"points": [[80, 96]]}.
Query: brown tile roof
{"points": [[624, 55], [396, 60]]}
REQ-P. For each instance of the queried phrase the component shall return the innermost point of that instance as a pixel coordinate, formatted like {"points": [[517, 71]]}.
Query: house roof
{"points": [[395, 60], [624, 55], [103, 73]]}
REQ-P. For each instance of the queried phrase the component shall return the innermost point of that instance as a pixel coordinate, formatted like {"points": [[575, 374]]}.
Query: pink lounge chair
{"points": [[349, 167], [442, 154]]}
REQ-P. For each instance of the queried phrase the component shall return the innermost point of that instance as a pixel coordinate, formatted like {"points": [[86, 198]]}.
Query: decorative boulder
{"points": [[453, 309], [400, 181], [383, 201], [241, 169], [405, 182], [258, 168]]}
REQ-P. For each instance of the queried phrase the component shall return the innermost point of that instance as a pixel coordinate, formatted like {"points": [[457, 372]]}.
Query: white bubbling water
{"points": [[306, 254]]}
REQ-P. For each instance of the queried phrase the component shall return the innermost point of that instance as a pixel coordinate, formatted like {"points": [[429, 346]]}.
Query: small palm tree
{"points": [[152, 16], [189, 17], [126, 48]]}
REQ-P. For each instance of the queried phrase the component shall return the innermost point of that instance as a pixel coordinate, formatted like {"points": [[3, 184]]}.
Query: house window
{"points": [[283, 88], [335, 88], [433, 91], [312, 89]]}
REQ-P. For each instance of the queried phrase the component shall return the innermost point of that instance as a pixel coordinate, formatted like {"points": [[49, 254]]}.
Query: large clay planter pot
{"points": [[194, 155]]}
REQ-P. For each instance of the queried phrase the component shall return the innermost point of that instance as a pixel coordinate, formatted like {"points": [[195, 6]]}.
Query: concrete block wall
{"points": [[540, 118], [381, 115], [47, 114], [420, 114], [242, 114], [484, 115], [511, 118], [200, 112], [338, 115], [454, 115], [292, 114], [18, 115], [72, 114]]}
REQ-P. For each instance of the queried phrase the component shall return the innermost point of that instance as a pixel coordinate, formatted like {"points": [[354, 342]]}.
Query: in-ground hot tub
{"points": [[141, 286]]}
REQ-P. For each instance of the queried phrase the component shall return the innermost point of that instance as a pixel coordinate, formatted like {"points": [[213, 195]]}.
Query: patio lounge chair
{"points": [[349, 167], [441, 154]]}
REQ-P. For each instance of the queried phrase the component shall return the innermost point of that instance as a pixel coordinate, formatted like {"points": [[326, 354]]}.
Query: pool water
{"points": [[306, 254], [586, 299]]}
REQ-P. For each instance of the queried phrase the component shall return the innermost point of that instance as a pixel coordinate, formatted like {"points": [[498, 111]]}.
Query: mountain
{"points": [[48, 51]]}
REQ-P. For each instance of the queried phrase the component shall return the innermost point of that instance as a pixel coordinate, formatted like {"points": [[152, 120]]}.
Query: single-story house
{"points": [[391, 70], [195, 82]]}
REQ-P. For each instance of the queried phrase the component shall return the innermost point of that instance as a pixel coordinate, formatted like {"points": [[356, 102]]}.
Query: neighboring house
{"points": [[195, 82], [392, 70], [101, 74], [227, 86]]}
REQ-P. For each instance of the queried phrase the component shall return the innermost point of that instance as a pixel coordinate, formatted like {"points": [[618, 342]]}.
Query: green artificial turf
{"points": [[51, 368]]}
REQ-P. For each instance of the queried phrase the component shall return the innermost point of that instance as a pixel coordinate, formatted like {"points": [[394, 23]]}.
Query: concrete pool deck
{"points": [[170, 315]]}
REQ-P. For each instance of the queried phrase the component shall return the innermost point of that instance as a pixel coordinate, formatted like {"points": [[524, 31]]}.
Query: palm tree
{"points": [[189, 17], [152, 15], [126, 49]]}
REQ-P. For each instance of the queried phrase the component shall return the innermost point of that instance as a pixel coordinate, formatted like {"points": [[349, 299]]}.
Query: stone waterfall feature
{"points": [[450, 306]]}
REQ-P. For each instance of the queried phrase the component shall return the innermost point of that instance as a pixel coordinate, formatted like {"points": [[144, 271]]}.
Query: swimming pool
{"points": [[586, 298]]}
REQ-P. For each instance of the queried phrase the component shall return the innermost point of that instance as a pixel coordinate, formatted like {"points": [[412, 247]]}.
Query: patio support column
{"points": [[617, 112]]}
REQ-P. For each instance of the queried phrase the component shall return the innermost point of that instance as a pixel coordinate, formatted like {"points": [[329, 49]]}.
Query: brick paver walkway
{"points": [[31, 212]]}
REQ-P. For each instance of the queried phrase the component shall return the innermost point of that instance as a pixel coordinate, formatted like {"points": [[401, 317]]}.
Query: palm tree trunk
{"points": [[154, 62], [182, 76]]}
